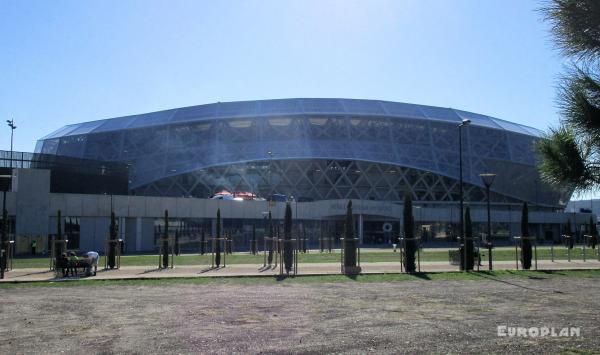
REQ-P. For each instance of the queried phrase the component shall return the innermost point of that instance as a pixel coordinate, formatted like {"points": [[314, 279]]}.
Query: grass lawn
{"points": [[266, 280], [499, 254]]}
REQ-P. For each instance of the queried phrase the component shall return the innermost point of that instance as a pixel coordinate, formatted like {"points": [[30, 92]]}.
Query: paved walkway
{"points": [[150, 272]]}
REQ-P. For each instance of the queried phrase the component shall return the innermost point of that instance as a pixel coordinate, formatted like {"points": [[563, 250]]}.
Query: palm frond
{"points": [[579, 102], [575, 25], [564, 161]]}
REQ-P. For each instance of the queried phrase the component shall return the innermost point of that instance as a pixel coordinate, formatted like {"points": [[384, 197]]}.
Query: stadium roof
{"points": [[289, 107]]}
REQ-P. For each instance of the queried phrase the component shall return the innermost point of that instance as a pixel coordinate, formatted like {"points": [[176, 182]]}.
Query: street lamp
{"points": [[463, 123], [488, 180], [11, 124], [270, 188]]}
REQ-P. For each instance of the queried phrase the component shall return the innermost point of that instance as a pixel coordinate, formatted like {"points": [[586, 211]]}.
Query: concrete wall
{"points": [[94, 231], [31, 188]]}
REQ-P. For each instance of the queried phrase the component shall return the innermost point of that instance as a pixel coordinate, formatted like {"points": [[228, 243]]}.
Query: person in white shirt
{"points": [[93, 257]]}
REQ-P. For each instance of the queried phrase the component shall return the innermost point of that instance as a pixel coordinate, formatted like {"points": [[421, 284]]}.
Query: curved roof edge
{"points": [[294, 106]]}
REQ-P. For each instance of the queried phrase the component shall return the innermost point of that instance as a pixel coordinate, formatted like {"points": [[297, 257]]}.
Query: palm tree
{"points": [[570, 153]]}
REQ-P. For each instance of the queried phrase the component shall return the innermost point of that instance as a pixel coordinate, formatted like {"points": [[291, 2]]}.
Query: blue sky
{"points": [[70, 61]]}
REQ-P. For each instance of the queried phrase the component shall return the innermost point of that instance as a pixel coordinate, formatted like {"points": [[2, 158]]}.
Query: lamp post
{"points": [[488, 180], [270, 154], [463, 123], [11, 124]]}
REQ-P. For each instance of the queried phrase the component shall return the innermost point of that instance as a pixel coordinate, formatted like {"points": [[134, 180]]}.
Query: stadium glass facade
{"points": [[315, 149]]}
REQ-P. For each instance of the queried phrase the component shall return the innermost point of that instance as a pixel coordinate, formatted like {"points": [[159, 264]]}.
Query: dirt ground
{"points": [[348, 317]]}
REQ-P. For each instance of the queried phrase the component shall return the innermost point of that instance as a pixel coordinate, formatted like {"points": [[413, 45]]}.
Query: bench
{"points": [[454, 256], [83, 264]]}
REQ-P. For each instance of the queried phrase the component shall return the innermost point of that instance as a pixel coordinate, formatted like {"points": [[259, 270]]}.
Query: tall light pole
{"points": [[463, 123], [270, 189], [488, 180], [11, 124]]}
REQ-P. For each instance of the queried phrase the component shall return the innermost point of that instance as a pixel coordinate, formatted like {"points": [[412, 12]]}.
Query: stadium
{"points": [[315, 149], [250, 157]]}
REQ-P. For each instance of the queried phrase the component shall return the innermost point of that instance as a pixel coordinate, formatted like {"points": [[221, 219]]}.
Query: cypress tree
{"points": [[4, 226], [270, 244], [253, 243], [57, 251], [410, 245], [304, 241], [469, 239], [202, 243], [166, 242], [593, 233], [288, 250], [3, 240], [177, 242], [229, 240], [321, 238], [525, 242], [349, 242], [218, 242], [58, 226], [111, 245], [570, 242]]}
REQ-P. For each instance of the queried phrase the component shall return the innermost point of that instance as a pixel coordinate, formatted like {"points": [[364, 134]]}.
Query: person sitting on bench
{"points": [[73, 259], [92, 257]]}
